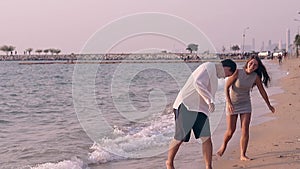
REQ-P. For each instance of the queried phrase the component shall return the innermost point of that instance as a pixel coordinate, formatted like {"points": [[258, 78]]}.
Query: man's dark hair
{"points": [[229, 63]]}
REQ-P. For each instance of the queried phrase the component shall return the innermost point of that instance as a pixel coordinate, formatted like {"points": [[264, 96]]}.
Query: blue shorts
{"points": [[186, 120]]}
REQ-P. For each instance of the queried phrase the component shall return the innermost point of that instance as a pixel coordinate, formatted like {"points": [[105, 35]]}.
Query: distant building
{"points": [[262, 46], [288, 40], [279, 45]]}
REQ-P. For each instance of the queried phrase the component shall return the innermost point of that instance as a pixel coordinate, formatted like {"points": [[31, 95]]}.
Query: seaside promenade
{"points": [[114, 58]]}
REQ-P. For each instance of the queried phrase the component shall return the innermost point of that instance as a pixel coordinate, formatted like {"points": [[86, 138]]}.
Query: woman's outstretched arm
{"points": [[263, 93]]}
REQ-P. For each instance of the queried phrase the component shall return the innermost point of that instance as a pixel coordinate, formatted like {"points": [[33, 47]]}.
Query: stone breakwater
{"points": [[113, 57]]}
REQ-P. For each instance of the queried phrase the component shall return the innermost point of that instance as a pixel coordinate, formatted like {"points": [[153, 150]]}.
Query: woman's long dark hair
{"points": [[261, 71]]}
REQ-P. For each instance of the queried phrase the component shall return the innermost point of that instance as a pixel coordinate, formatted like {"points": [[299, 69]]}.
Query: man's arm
{"points": [[202, 85]]}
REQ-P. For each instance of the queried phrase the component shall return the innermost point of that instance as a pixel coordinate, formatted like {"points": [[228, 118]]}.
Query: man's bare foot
{"points": [[170, 165], [245, 158]]}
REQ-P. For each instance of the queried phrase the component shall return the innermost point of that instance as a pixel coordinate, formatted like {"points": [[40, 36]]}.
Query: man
{"points": [[192, 106]]}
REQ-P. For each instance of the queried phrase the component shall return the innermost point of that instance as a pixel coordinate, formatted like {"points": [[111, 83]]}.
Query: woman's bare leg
{"points": [[231, 126], [245, 123]]}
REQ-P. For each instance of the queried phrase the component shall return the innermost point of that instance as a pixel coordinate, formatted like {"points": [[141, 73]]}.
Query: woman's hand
{"points": [[229, 107]]}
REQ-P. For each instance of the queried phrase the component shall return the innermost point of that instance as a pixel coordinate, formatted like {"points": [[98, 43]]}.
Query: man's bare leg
{"points": [[207, 152], [173, 149]]}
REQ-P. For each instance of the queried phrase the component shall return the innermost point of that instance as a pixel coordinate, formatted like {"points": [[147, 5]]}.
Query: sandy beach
{"points": [[274, 144]]}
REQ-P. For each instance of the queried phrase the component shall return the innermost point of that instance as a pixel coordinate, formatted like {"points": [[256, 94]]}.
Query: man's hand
{"points": [[211, 107]]}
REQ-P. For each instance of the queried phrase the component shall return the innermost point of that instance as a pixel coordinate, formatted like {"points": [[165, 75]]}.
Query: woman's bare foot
{"points": [[208, 167], [170, 165], [221, 151], [245, 158]]}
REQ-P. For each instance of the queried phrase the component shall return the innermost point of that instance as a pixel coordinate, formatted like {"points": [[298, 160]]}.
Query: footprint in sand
{"points": [[238, 166]]}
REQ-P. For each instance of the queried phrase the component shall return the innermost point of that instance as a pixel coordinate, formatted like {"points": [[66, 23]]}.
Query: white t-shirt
{"points": [[200, 89]]}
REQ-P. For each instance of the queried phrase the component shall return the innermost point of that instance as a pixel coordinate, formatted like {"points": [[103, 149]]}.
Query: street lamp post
{"points": [[243, 46]]}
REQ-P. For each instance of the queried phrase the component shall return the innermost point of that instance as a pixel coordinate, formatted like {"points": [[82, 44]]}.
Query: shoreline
{"points": [[276, 143]]}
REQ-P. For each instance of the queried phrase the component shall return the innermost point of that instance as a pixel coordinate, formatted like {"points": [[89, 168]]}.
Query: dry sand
{"points": [[274, 144]]}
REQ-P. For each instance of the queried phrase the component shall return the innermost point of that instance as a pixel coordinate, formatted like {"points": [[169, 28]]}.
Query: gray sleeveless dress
{"points": [[240, 92]]}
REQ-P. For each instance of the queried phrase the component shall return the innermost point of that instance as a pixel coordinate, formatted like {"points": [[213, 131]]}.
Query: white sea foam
{"points": [[74, 163], [135, 143]]}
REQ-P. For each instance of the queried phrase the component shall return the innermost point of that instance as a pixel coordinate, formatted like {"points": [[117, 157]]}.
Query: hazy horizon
{"points": [[69, 24]]}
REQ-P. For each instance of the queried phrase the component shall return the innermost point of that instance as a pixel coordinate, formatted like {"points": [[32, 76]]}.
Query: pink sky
{"points": [[68, 24]]}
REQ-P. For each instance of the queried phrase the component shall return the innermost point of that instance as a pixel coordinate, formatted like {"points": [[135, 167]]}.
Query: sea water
{"points": [[63, 116]]}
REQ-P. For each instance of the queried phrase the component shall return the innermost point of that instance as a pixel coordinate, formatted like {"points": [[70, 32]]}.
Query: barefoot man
{"points": [[192, 106]]}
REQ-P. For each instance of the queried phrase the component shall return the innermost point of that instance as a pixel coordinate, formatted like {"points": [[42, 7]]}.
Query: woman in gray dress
{"points": [[238, 102]]}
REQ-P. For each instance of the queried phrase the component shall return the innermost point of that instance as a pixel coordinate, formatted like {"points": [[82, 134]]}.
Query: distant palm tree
{"points": [[4, 49], [297, 44], [235, 48], [51, 50], [29, 50], [11, 49], [39, 51], [189, 49], [46, 51], [57, 51], [54, 51], [192, 47], [7, 49]]}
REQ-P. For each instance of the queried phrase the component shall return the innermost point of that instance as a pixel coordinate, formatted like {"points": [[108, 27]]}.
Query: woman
{"points": [[238, 103]]}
